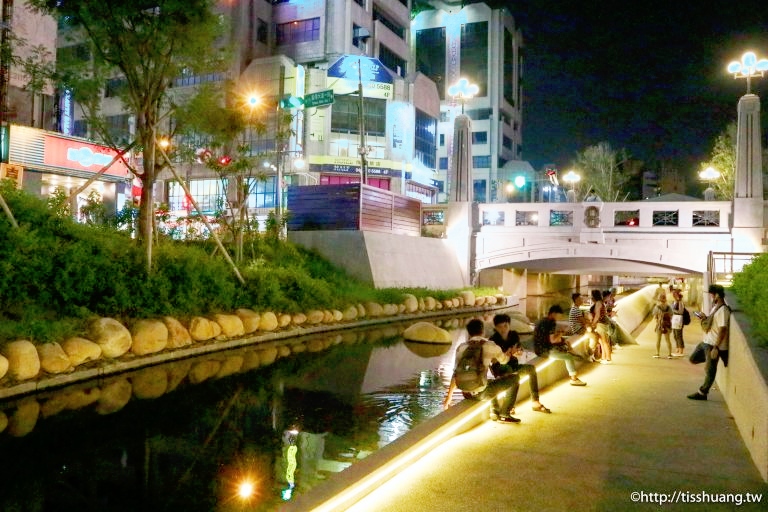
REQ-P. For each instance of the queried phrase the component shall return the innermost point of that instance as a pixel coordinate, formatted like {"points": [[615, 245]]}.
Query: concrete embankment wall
{"points": [[386, 260], [743, 384]]}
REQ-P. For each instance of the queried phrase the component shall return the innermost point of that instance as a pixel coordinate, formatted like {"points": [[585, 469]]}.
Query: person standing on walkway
{"points": [[506, 386], [548, 342], [507, 338], [599, 324], [716, 333], [678, 313], [662, 312]]}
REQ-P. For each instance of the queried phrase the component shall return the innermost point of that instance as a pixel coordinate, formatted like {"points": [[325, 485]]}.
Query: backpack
{"points": [[541, 343], [686, 316], [470, 374]]}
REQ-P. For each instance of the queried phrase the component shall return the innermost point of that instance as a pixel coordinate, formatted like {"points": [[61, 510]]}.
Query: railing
{"points": [[699, 216], [722, 265]]}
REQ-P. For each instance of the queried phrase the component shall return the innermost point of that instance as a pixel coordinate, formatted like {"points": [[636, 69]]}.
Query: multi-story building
{"points": [[471, 40]]}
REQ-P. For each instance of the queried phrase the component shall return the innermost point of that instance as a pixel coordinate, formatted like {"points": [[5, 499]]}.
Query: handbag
{"points": [[677, 322], [699, 354]]}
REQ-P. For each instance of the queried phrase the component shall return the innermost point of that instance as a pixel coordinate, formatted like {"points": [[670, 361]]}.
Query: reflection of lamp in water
{"points": [[289, 438]]}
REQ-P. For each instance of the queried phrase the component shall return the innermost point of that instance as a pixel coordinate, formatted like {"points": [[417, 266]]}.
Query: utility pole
{"points": [[363, 148]]}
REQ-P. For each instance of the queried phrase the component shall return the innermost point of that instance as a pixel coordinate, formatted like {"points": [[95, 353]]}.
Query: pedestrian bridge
{"points": [[641, 237]]}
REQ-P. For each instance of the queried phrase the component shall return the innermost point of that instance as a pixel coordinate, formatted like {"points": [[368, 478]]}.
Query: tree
{"points": [[602, 173], [147, 44], [723, 159]]}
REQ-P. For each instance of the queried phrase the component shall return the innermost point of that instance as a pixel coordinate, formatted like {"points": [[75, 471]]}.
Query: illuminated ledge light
{"points": [[362, 478]]}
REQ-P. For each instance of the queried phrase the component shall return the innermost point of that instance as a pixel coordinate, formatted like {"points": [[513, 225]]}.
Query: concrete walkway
{"points": [[631, 430]]}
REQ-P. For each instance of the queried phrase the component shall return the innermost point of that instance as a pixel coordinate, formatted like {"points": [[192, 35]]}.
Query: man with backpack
{"points": [[715, 344], [470, 375]]}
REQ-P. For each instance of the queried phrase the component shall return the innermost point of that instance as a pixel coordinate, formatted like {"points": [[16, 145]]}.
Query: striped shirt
{"points": [[575, 321]]}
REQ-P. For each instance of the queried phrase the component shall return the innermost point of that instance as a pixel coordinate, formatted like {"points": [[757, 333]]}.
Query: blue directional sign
{"points": [[371, 70]]}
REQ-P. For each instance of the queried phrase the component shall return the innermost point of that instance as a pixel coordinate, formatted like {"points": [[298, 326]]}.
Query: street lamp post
{"points": [[748, 68], [460, 182], [572, 178], [709, 175]]}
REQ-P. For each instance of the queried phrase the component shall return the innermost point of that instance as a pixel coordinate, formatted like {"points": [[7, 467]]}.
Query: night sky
{"points": [[646, 76]]}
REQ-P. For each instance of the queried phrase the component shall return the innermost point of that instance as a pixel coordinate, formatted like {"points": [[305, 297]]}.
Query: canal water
{"points": [[191, 435]]}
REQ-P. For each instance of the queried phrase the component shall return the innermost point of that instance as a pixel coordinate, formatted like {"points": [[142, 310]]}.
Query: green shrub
{"points": [[750, 286]]}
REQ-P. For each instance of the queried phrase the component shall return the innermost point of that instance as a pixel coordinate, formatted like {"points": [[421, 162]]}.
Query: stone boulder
{"points": [[268, 322], [411, 303], [112, 336], [299, 319], [315, 317], [3, 368], [250, 320], [373, 309], [284, 320], [53, 359], [202, 329], [327, 317], [390, 309], [23, 360], [81, 350], [468, 297], [178, 335], [430, 303], [350, 314], [337, 315], [231, 325], [426, 332], [361, 312], [149, 337]]}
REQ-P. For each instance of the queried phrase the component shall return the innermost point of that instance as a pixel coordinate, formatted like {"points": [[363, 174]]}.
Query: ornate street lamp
{"points": [[710, 174], [572, 178], [463, 90], [750, 67]]}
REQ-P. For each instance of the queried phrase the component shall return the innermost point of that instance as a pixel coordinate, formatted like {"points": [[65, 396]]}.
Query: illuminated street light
{"points": [[463, 90], [710, 174], [572, 178], [749, 67]]}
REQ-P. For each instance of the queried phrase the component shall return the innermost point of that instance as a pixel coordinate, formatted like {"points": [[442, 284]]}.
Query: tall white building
{"points": [[459, 39]]}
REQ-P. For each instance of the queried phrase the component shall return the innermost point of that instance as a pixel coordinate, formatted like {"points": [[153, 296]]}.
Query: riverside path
{"points": [[628, 441]]}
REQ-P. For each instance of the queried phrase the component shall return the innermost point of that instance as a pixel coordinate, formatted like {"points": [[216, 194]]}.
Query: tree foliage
{"points": [[146, 43], [602, 173], [723, 159]]}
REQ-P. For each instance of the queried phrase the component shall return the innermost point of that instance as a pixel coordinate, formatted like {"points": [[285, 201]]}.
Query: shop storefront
{"points": [[42, 162]]}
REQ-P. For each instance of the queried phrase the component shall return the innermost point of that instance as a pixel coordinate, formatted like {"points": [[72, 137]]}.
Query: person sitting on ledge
{"points": [[473, 358], [548, 342], [507, 338]]}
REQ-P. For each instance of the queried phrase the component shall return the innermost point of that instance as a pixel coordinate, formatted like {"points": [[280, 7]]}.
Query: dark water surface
{"points": [[186, 435]]}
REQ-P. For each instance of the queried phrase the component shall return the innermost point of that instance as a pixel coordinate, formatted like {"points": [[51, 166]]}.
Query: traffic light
{"points": [[290, 101]]}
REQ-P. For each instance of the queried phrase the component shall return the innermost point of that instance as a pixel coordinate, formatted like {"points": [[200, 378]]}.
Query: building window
{"points": [[396, 29], [481, 162], [209, 195], [262, 31], [526, 218], [509, 68], [443, 163], [382, 183], [430, 56], [80, 128], [118, 127], [630, 218], [480, 189], [561, 218], [426, 151], [298, 31], [479, 137], [474, 55], [392, 60], [442, 139], [188, 78], [345, 115], [114, 87], [506, 142], [361, 3], [262, 192], [357, 41]]}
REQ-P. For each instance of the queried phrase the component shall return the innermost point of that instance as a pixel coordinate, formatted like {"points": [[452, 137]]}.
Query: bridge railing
{"points": [[722, 265], [699, 216]]}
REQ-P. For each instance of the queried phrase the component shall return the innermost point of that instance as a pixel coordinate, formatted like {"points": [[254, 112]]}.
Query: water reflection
{"points": [[243, 429]]}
